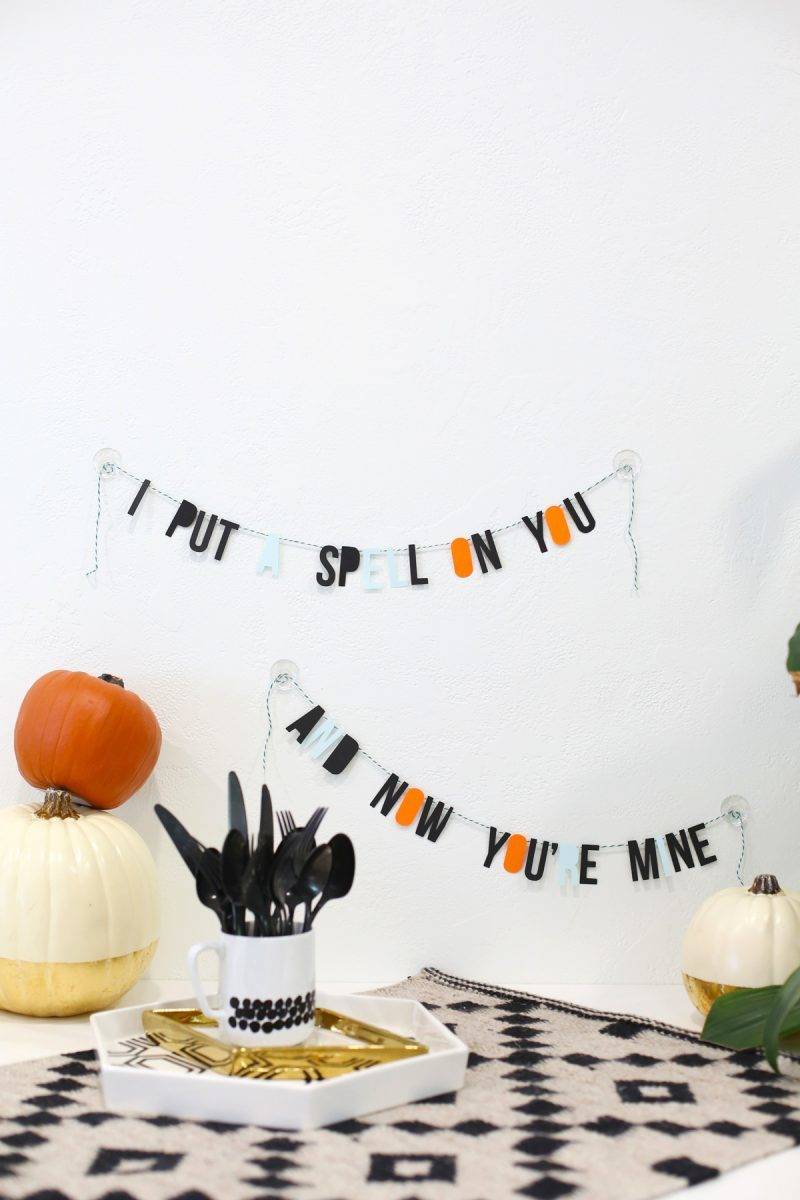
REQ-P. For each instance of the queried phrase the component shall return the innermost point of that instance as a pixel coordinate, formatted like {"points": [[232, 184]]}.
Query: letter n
{"points": [[390, 793], [486, 550]]}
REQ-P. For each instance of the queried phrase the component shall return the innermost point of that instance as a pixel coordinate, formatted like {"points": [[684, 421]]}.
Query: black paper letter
{"points": [[325, 556], [537, 530], [647, 866], [416, 580], [195, 542], [306, 723], [587, 864], [703, 860], [486, 549], [390, 793], [495, 845], [679, 848], [349, 561], [343, 754], [184, 517], [430, 822], [137, 499], [226, 533], [536, 874], [584, 526]]}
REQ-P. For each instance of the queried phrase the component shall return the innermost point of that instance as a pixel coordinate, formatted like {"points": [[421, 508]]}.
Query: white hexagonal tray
{"points": [[140, 1077]]}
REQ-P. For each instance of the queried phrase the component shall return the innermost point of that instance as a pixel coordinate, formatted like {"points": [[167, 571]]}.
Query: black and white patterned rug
{"points": [[559, 1101]]}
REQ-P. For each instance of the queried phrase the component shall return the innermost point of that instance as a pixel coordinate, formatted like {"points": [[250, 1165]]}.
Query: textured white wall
{"points": [[375, 272]]}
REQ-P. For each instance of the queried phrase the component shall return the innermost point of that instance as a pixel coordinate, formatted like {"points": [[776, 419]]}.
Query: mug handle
{"points": [[194, 975]]}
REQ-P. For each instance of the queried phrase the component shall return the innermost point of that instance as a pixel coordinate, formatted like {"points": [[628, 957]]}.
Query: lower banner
{"points": [[575, 863]]}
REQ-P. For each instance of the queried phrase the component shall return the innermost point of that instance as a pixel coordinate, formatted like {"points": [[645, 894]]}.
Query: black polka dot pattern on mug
{"points": [[267, 1016]]}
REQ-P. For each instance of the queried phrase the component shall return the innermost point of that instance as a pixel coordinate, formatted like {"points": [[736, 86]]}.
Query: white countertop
{"points": [[29, 1037]]}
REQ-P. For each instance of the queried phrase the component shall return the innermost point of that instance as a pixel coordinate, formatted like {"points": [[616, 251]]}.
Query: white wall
{"points": [[376, 272]]}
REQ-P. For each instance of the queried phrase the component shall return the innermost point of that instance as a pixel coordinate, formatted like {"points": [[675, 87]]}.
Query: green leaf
{"points": [[737, 1019], [779, 1017], [790, 1044], [793, 661]]}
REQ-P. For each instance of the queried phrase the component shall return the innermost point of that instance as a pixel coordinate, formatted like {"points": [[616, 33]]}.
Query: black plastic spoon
{"points": [[311, 881], [342, 873], [209, 888], [212, 899]]}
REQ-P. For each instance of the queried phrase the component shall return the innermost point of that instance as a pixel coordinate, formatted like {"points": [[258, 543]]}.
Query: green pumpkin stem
{"points": [[56, 803], [765, 885], [112, 679]]}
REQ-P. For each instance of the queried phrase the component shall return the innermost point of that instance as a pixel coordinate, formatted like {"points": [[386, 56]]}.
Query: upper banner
{"points": [[552, 527]]}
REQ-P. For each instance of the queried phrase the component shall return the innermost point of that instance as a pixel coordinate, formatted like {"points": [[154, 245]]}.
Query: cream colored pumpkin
{"points": [[78, 908], [741, 938]]}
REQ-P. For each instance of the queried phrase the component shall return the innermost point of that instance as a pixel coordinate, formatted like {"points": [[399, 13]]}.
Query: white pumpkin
{"points": [[742, 938], [78, 908]]}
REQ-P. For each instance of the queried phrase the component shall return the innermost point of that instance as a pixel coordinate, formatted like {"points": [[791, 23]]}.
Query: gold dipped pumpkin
{"points": [[89, 736], [78, 908], [741, 938]]}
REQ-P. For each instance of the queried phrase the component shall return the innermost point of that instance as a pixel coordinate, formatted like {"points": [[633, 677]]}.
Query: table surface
{"points": [[29, 1037]]}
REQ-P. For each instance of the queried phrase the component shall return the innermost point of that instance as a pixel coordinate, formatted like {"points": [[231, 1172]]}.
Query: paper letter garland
{"points": [[573, 863], [208, 533]]}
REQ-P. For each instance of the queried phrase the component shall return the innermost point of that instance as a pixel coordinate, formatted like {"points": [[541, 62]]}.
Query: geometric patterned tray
{"points": [[140, 1074], [188, 1033]]}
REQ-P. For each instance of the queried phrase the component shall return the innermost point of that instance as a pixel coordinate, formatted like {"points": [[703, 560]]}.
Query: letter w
{"points": [[431, 822]]}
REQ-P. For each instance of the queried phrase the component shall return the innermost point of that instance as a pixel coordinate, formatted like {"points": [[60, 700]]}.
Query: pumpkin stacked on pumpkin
{"points": [[78, 899], [741, 938]]}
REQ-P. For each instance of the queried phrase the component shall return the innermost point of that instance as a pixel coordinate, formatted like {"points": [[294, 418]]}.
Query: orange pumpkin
{"points": [[87, 736]]}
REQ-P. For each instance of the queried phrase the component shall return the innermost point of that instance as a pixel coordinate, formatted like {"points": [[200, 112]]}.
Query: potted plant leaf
{"points": [[756, 1017], [767, 1017]]}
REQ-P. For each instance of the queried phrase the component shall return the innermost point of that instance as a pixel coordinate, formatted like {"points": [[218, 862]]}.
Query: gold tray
{"points": [[187, 1031]]}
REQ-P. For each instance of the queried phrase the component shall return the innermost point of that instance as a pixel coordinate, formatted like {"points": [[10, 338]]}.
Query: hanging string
{"points": [[111, 468], [285, 678], [627, 470], [738, 819], [106, 468], [281, 679]]}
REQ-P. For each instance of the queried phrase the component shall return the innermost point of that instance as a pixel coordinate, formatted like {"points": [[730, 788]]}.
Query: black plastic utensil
{"points": [[311, 881], [237, 813], [212, 899], [305, 843], [210, 890], [340, 880], [266, 834], [284, 874], [257, 896], [190, 850], [235, 854]]}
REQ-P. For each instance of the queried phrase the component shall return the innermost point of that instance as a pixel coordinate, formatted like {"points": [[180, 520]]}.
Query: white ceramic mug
{"points": [[266, 988]]}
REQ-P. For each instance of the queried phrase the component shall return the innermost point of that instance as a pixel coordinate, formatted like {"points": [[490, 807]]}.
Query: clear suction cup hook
{"points": [[283, 673], [736, 809], [107, 459], [627, 465]]}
